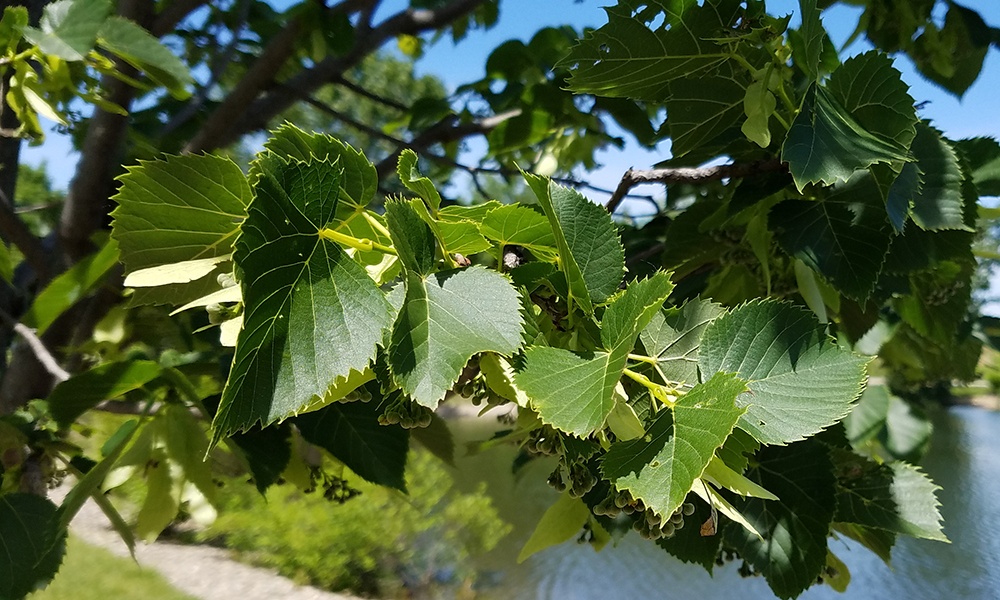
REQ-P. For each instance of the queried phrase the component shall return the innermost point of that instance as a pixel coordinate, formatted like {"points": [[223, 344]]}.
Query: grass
{"points": [[91, 573]]}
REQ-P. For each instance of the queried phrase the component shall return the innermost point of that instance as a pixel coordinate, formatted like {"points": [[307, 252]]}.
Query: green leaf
{"points": [[359, 181], [867, 418], [673, 337], [179, 209], [462, 237], [90, 483], [83, 391], [899, 199], [311, 315], [953, 56], [6, 264], [720, 475], [162, 501], [702, 112], [590, 252], [983, 156], [660, 468], [809, 52], [68, 28], [800, 381], [187, 446], [878, 541], [351, 433], [411, 178], [844, 236], [939, 204], [689, 545], [139, 48], [758, 106], [518, 225], [33, 543], [437, 439], [12, 25], [576, 393], [446, 318], [793, 550], [872, 91], [825, 144], [412, 237], [626, 58], [267, 451], [560, 522], [894, 497], [70, 286]]}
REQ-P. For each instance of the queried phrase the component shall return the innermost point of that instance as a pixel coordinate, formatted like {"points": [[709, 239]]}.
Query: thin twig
{"points": [[357, 89], [632, 178], [37, 347]]}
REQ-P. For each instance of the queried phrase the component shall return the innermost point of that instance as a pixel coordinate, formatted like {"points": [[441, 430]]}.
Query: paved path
{"points": [[201, 571]]}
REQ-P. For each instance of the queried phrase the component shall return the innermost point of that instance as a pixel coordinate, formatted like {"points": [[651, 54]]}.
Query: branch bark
{"points": [[632, 178]]}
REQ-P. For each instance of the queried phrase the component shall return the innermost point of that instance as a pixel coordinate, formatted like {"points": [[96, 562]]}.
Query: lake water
{"points": [[964, 460]]}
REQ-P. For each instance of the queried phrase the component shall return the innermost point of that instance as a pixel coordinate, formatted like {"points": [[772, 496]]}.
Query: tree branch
{"points": [[37, 347], [222, 129], [632, 178], [173, 14], [357, 89]]}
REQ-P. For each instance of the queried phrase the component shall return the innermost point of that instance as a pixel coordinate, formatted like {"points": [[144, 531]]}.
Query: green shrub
{"points": [[379, 543]]}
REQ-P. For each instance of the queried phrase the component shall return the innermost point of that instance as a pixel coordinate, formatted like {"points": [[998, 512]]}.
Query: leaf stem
{"points": [[656, 390], [363, 244], [375, 223]]}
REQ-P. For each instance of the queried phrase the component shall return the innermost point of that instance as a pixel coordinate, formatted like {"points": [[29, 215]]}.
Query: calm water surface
{"points": [[965, 461]]}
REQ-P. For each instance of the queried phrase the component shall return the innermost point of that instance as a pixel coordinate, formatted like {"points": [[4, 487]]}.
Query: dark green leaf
{"points": [[437, 439], [267, 451], [312, 314], [844, 236], [660, 468], [80, 393], [895, 497], [351, 433], [983, 157], [800, 381], [872, 91], [793, 550], [689, 545], [939, 204], [811, 36], [825, 144], [33, 543]]}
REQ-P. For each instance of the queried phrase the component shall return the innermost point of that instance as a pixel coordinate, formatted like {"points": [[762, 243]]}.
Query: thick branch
{"points": [[222, 129], [632, 178], [173, 14]]}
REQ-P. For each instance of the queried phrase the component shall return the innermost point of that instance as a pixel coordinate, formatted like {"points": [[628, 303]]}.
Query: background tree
{"points": [[838, 198]]}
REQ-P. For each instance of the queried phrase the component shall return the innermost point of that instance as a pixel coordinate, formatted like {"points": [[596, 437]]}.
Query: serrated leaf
{"points": [[673, 337], [800, 381], [139, 48], [872, 91], [737, 450], [661, 468], [825, 144], [560, 522], [68, 28], [352, 434], [899, 199], [267, 451], [462, 237], [178, 209], [689, 545], [411, 178], [518, 225], [844, 236], [939, 204], [983, 157], [70, 286], [83, 391], [311, 313], [33, 543], [472, 212], [793, 550], [412, 237], [894, 497], [359, 181], [590, 252], [626, 58], [576, 393], [446, 318], [703, 112]]}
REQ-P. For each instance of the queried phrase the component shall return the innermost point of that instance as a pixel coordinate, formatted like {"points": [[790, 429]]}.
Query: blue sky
{"points": [[976, 114]]}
